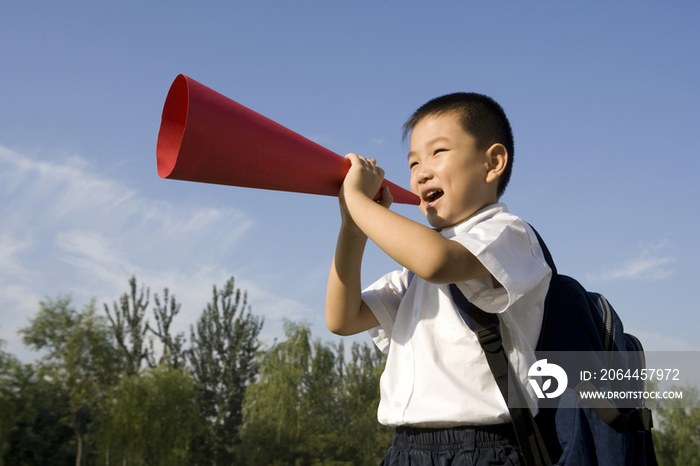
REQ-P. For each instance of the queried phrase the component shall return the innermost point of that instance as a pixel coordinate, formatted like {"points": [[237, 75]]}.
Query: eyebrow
{"points": [[431, 142]]}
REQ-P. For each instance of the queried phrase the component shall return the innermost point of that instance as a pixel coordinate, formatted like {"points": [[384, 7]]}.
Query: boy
{"points": [[437, 388]]}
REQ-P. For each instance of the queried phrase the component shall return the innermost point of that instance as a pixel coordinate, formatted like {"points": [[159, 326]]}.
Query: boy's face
{"points": [[448, 172]]}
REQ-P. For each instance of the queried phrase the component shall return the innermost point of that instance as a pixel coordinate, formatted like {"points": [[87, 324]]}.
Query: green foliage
{"points": [[79, 361], [301, 402], [310, 407], [8, 402], [223, 363], [361, 386], [129, 326], [173, 354], [36, 429], [152, 419], [677, 429], [274, 407]]}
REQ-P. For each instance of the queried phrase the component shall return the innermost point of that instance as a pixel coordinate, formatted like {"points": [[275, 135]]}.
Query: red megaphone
{"points": [[207, 137]]}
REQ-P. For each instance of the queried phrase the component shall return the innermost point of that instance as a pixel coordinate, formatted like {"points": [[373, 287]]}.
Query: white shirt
{"points": [[436, 372]]}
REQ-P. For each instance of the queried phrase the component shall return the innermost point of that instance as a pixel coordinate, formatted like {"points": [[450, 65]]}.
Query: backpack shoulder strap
{"points": [[486, 327], [545, 252]]}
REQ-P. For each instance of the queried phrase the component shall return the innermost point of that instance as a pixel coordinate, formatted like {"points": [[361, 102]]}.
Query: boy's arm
{"points": [[417, 247], [346, 313]]}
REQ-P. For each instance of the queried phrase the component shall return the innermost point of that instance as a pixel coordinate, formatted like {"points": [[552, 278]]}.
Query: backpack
{"points": [[573, 430]]}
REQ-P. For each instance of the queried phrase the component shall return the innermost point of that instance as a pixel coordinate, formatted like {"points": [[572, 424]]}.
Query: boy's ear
{"points": [[496, 160]]}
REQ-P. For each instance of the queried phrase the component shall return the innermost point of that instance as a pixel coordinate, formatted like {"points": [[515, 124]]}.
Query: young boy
{"points": [[437, 388]]}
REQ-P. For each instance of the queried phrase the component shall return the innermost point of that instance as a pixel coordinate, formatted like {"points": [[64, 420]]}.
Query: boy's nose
{"points": [[423, 173]]}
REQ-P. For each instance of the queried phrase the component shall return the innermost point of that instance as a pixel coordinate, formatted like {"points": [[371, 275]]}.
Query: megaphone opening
{"points": [[172, 126]]}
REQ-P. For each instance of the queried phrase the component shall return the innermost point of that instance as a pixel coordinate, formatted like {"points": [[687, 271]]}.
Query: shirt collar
{"points": [[478, 217]]}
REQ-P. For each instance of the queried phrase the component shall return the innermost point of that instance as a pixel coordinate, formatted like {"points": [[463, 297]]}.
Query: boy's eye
{"points": [[412, 164], [438, 150]]}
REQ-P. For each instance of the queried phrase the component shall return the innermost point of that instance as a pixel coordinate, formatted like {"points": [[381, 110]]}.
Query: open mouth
{"points": [[431, 196]]}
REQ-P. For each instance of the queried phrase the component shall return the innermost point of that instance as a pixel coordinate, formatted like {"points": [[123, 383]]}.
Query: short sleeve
{"points": [[509, 250], [384, 297]]}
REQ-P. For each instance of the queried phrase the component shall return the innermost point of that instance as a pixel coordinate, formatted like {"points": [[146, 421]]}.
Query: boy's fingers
{"points": [[387, 198], [352, 157], [364, 162], [365, 176]]}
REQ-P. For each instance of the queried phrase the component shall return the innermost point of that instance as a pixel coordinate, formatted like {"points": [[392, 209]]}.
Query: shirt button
{"points": [[408, 357], [397, 404]]}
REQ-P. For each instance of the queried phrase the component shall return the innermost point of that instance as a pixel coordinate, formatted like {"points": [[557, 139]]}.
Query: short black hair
{"points": [[480, 116]]}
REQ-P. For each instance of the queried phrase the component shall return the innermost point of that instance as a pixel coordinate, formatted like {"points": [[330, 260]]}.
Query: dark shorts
{"points": [[456, 446]]}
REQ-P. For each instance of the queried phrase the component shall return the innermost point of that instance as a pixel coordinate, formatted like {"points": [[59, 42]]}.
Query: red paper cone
{"points": [[207, 137]]}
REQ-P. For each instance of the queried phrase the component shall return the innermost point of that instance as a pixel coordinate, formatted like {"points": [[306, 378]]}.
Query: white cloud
{"points": [[648, 265], [10, 248], [95, 254], [67, 230]]}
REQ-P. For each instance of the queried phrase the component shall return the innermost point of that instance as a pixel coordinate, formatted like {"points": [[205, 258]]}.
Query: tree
{"points": [[8, 399], [677, 429], [272, 418], [80, 361], [152, 420], [310, 407], [39, 431], [223, 362], [129, 326], [173, 355], [360, 403]]}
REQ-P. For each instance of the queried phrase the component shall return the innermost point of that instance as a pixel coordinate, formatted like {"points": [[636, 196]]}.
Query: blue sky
{"points": [[603, 98]]}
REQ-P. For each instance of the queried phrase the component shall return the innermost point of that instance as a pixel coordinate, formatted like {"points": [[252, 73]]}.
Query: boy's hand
{"points": [[363, 177]]}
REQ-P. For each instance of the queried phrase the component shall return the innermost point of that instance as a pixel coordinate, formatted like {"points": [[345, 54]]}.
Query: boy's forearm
{"points": [[416, 247], [345, 312]]}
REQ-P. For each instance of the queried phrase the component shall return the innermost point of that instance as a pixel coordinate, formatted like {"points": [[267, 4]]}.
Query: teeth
{"points": [[432, 195]]}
